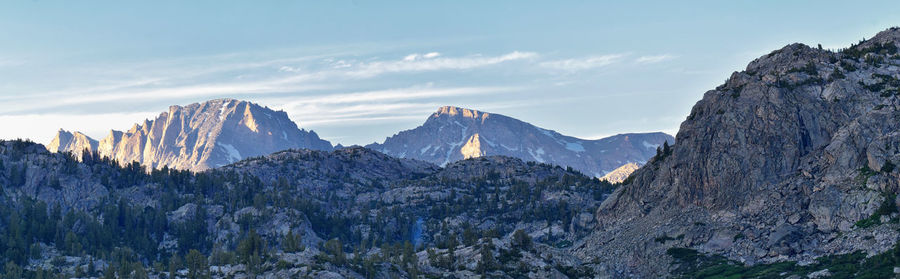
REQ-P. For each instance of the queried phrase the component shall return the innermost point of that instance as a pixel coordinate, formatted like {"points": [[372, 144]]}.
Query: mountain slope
{"points": [[495, 215], [785, 161], [453, 134], [201, 136]]}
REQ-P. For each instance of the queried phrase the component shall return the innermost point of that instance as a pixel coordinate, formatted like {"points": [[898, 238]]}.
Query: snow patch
{"points": [[575, 146], [491, 143], [462, 140], [435, 150], [233, 154], [509, 148], [222, 113], [284, 135], [422, 151], [547, 133], [537, 154]]}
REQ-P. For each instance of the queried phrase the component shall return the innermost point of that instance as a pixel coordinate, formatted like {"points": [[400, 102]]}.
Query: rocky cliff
{"points": [[621, 173], [785, 161], [75, 142], [199, 136], [453, 134]]}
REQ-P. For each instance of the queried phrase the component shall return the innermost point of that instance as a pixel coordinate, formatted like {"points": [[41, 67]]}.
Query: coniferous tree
{"points": [[251, 251], [488, 263], [197, 265], [521, 240]]}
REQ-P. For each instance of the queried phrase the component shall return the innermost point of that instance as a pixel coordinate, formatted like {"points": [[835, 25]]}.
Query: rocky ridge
{"points": [[788, 160], [198, 136], [452, 133]]}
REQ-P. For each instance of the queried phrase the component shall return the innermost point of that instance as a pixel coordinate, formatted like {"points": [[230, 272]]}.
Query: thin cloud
{"points": [[584, 63], [313, 87], [653, 59], [399, 104], [398, 94], [432, 62]]}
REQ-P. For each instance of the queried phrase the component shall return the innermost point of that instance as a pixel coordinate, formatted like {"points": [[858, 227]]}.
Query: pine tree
{"points": [[521, 240], [488, 263], [197, 264], [292, 242], [335, 249], [174, 265], [12, 271], [251, 251]]}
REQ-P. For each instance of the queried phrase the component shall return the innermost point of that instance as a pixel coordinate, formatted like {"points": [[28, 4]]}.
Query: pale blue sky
{"points": [[359, 71]]}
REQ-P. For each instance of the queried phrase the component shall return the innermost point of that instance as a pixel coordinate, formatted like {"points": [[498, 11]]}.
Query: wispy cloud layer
{"points": [[431, 62], [584, 63], [391, 104], [339, 89], [654, 58]]}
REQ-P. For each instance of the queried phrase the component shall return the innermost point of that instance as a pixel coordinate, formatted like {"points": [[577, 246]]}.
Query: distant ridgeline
{"points": [[197, 136], [219, 132], [453, 134], [294, 213]]}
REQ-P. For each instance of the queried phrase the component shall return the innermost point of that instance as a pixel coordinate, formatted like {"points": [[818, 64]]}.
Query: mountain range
{"points": [[219, 132], [787, 170], [454, 133], [197, 137]]}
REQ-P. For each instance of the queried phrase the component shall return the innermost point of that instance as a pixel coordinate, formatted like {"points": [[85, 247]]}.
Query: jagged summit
{"points": [[452, 133], [457, 112], [75, 142], [204, 135]]}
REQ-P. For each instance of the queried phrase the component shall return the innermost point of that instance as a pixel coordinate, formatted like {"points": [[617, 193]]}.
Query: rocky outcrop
{"points": [[202, 136], [453, 134], [76, 142], [773, 165], [621, 173]]}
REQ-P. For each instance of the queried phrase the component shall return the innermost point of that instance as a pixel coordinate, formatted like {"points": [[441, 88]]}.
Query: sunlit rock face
{"points": [[788, 154], [452, 133], [199, 136], [75, 142], [621, 173]]}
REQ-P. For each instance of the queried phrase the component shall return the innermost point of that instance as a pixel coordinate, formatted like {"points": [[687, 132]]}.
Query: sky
{"points": [[359, 71]]}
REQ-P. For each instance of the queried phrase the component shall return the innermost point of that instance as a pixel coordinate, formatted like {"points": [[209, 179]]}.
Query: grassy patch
{"points": [[886, 209]]}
